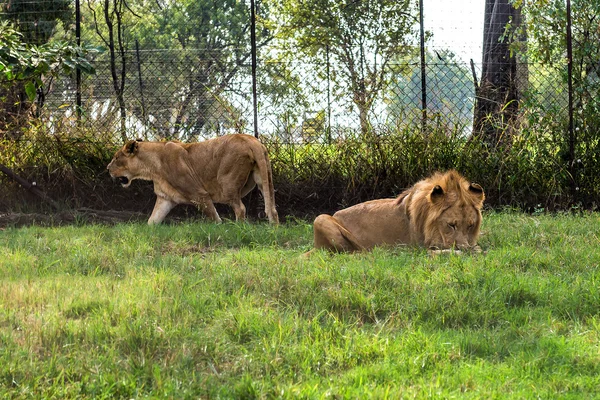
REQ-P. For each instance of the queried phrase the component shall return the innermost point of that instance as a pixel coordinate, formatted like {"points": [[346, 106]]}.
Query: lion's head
{"points": [[445, 210], [125, 165]]}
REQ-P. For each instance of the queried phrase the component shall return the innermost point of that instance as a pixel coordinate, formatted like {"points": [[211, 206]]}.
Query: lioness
{"points": [[221, 170], [440, 212]]}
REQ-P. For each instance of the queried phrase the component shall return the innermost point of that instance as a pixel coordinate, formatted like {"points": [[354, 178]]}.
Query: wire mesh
{"points": [[308, 117]]}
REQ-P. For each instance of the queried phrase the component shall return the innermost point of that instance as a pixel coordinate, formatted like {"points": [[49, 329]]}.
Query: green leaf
{"points": [[30, 90], [70, 64]]}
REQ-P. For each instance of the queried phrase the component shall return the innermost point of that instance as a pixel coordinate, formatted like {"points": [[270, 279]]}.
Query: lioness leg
{"points": [[208, 208], [331, 235], [248, 186], [239, 209], [161, 209], [268, 197]]}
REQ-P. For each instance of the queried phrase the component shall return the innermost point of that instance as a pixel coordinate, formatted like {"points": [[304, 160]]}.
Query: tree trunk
{"points": [[118, 85], [497, 96], [363, 112]]}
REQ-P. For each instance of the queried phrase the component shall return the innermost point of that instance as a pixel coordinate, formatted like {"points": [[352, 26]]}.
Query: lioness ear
{"points": [[436, 194], [131, 147]]}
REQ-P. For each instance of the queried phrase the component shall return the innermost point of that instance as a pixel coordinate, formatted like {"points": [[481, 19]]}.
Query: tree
{"points": [[362, 37], [111, 14], [31, 67], [37, 20], [189, 88], [497, 95], [36, 23], [547, 44], [450, 92], [213, 39]]}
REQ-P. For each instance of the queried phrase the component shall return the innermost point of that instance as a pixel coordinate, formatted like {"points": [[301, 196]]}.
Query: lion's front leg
{"points": [[161, 208], [331, 235], [208, 208]]}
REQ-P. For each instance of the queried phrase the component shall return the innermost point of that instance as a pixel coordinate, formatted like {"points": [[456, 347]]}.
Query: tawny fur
{"points": [[221, 170], [440, 212]]}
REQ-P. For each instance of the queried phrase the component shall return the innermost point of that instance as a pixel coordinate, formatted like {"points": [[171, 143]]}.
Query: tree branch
{"points": [[29, 186]]}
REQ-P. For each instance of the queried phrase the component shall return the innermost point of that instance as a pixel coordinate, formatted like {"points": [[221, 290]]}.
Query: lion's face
{"points": [[457, 227], [124, 165], [456, 217]]}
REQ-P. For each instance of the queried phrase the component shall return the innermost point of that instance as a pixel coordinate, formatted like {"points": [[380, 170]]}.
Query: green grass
{"points": [[196, 310]]}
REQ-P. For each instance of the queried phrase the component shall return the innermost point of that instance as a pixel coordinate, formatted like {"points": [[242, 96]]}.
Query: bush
{"points": [[311, 178]]}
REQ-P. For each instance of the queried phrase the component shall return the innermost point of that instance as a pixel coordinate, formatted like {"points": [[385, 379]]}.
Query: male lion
{"points": [[440, 212], [221, 170]]}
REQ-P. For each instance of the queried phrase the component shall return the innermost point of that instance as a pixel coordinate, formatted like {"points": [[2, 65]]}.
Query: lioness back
{"points": [[220, 170]]}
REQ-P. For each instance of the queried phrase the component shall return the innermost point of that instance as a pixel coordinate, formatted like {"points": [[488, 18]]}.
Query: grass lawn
{"points": [[196, 310]]}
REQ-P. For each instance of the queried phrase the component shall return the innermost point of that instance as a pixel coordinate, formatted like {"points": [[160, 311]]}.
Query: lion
{"points": [[441, 213], [221, 170]]}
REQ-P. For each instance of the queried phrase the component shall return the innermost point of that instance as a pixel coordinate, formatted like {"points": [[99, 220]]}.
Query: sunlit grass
{"points": [[233, 310]]}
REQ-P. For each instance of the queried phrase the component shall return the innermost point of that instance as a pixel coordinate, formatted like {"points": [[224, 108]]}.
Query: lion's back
{"points": [[375, 222]]}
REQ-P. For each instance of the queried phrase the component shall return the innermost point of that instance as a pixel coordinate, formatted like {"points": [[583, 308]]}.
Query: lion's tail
{"points": [[264, 168]]}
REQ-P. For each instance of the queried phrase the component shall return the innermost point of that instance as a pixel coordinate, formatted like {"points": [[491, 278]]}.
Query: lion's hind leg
{"points": [[330, 234], [239, 209], [268, 192], [208, 209]]}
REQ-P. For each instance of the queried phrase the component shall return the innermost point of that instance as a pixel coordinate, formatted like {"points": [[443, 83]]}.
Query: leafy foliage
{"points": [[212, 36], [314, 177], [38, 20], [34, 63], [546, 43]]}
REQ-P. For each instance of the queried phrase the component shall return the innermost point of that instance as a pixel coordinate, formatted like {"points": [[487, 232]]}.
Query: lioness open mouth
{"points": [[123, 180]]}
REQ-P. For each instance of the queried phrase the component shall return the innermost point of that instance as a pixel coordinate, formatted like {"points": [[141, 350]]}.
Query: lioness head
{"points": [[125, 166], [446, 209]]}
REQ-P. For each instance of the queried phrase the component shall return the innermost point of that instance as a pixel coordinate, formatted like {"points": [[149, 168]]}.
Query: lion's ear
{"points": [[476, 189], [477, 192], [131, 147], [436, 194]]}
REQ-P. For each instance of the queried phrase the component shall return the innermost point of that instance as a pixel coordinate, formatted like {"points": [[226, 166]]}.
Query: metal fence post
{"points": [[423, 71], [571, 131], [77, 70], [328, 95], [141, 83], [253, 51]]}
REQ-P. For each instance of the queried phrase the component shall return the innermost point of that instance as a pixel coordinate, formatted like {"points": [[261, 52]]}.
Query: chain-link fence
{"points": [[327, 152], [170, 94]]}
